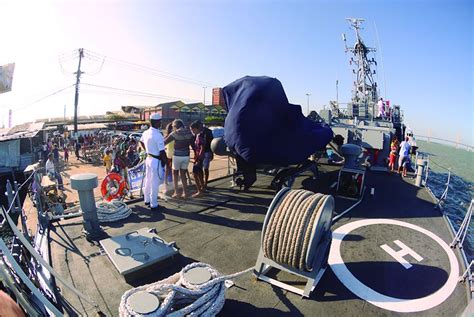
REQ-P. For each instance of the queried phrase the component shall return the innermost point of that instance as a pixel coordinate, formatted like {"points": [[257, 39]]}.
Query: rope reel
{"points": [[198, 290], [296, 237], [295, 224]]}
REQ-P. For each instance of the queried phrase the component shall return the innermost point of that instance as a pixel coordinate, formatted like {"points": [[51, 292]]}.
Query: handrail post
{"points": [[427, 170]]}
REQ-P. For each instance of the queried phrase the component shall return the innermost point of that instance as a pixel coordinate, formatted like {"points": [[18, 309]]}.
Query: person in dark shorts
{"points": [[199, 142], [208, 155]]}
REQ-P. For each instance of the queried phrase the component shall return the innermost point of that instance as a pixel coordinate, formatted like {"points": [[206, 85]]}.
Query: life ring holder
{"points": [[119, 185]]}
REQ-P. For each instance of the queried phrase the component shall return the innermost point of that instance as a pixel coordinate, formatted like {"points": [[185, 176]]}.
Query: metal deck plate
{"points": [[136, 250]]}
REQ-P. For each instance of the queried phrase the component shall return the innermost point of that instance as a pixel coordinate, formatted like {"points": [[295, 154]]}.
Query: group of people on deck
{"points": [[170, 155], [403, 152]]}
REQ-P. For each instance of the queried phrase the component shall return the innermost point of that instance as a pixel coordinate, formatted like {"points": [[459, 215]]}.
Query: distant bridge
{"points": [[456, 144]]}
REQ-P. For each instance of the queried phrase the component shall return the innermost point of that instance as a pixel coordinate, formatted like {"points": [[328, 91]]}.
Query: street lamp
{"points": [[307, 95]]}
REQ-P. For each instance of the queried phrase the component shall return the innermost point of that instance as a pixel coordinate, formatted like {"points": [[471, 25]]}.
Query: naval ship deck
{"points": [[223, 229]]}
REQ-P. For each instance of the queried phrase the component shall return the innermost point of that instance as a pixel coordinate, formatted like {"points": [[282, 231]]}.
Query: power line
{"points": [[146, 69], [138, 93], [42, 98]]}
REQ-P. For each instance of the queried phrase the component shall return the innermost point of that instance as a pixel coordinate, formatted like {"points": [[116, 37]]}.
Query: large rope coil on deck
{"points": [[296, 222], [178, 297], [112, 211]]}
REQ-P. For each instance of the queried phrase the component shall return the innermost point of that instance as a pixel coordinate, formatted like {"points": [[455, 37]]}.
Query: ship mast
{"points": [[364, 93]]}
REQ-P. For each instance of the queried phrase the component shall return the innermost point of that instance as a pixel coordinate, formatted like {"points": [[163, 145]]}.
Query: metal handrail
{"points": [[460, 234], [467, 273], [427, 170], [40, 260], [24, 278], [444, 195], [463, 229]]}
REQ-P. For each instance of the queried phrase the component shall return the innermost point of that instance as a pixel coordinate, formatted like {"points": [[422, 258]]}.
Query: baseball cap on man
{"points": [[155, 116]]}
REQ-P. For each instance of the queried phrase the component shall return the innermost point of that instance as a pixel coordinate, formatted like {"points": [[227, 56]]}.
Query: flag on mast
{"points": [[6, 77]]}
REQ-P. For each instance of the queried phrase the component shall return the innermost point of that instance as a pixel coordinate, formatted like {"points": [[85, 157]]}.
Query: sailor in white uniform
{"points": [[153, 142]]}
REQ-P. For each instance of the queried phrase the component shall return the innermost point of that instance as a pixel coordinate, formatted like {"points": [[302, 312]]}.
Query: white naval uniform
{"points": [[154, 172]]}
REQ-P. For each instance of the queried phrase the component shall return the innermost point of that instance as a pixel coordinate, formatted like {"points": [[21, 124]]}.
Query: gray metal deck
{"points": [[223, 229]]}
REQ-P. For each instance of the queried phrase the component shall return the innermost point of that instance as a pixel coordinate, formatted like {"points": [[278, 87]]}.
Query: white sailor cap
{"points": [[155, 116]]}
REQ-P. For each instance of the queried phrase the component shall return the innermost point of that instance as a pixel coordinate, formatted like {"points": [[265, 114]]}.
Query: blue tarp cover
{"points": [[263, 128]]}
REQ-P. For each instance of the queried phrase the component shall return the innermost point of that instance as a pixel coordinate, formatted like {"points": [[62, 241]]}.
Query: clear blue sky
{"points": [[427, 50]]}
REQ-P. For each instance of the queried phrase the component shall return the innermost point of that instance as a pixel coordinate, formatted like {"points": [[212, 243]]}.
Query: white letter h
{"points": [[399, 255]]}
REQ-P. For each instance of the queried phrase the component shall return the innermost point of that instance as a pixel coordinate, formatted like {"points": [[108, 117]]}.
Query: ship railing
{"points": [[461, 233], [458, 242], [463, 229], [444, 194], [468, 275], [14, 205]]}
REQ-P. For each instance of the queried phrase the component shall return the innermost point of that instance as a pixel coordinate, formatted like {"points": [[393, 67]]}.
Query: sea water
{"points": [[461, 186]]}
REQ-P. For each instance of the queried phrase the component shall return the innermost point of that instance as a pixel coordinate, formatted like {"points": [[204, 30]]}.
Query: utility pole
{"points": [[307, 95], [204, 98], [64, 114], [337, 93], [78, 80]]}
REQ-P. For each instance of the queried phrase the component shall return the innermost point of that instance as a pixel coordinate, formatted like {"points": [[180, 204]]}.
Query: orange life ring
{"points": [[112, 186]]}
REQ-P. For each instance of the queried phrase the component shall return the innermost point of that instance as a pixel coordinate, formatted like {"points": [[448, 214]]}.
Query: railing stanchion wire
{"points": [[467, 273], [463, 229], [427, 171], [444, 195], [466, 225]]}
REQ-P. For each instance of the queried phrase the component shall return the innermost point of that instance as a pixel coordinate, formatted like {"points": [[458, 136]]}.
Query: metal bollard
{"points": [[421, 163], [85, 184]]}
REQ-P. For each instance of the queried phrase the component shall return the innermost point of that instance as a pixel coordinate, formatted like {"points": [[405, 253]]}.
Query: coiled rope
{"points": [[112, 211], [175, 292], [291, 220]]}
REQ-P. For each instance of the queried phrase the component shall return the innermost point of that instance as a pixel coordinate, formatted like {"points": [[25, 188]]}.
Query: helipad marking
{"points": [[399, 255], [380, 300]]}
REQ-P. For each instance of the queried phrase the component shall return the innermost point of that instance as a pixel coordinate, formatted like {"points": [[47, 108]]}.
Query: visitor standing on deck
{"points": [[404, 156], [208, 155], [196, 128], [182, 139], [393, 153], [381, 109], [153, 142], [169, 149]]}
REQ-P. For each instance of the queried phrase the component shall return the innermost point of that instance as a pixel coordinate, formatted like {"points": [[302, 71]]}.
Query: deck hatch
{"points": [[137, 250]]}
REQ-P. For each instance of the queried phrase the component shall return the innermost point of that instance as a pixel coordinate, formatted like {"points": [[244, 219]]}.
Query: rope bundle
{"points": [[286, 238], [112, 211], [181, 298]]}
